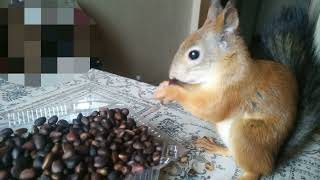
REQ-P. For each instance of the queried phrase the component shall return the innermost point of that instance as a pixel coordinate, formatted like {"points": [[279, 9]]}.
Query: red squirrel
{"points": [[252, 103]]}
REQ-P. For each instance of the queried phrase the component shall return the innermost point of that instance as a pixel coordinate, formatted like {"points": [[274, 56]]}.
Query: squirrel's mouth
{"points": [[175, 81]]}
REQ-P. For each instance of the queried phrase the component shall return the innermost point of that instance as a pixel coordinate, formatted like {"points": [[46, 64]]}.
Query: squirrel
{"points": [[260, 108]]}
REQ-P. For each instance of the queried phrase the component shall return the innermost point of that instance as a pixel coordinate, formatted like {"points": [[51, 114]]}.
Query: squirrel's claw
{"points": [[163, 93], [207, 144]]}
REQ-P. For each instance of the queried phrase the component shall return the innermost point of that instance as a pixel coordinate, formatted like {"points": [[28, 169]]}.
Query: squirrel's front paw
{"points": [[166, 93]]}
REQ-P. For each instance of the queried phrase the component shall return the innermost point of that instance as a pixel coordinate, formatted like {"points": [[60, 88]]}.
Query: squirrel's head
{"points": [[208, 47]]}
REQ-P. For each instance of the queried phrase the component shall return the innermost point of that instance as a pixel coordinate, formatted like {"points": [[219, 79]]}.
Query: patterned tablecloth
{"points": [[171, 119]]}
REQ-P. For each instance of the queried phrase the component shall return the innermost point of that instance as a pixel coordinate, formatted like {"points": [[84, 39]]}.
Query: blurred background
{"points": [[135, 39]]}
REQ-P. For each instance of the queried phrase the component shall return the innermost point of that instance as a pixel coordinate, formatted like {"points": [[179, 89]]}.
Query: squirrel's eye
{"points": [[194, 54]]}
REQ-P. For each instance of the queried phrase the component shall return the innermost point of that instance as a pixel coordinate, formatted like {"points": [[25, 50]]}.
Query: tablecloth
{"points": [[172, 120]]}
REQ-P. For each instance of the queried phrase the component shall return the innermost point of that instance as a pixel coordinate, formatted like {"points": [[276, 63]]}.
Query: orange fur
{"points": [[259, 96]]}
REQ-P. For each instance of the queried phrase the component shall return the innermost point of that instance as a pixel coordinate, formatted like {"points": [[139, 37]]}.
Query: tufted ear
{"points": [[231, 18], [214, 10]]}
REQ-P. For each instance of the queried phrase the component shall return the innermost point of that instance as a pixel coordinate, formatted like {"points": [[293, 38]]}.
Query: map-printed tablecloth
{"points": [[174, 121]]}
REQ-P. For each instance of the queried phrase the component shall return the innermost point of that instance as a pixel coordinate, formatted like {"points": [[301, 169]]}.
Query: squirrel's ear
{"points": [[214, 10], [231, 18]]}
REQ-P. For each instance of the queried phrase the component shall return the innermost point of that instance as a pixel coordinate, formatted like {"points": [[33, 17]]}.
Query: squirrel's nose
{"points": [[171, 76]]}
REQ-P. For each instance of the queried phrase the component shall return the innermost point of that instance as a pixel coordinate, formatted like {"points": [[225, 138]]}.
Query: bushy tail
{"points": [[289, 39], [314, 13]]}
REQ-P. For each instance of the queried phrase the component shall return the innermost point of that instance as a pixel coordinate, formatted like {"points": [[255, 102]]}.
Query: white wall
{"points": [[142, 35]]}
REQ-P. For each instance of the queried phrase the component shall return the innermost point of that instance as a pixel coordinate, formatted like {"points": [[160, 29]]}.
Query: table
{"points": [[172, 120]]}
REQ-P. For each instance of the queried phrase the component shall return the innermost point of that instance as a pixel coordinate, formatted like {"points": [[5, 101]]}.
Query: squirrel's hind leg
{"points": [[254, 146], [212, 147], [249, 176]]}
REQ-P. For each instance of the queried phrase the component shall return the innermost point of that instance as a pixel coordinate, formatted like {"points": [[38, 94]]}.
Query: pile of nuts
{"points": [[104, 145]]}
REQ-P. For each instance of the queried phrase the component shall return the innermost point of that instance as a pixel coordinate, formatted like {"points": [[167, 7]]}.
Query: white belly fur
{"points": [[223, 129]]}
